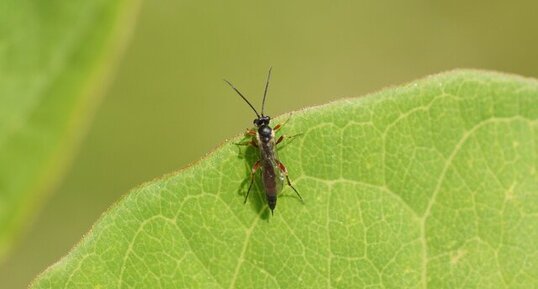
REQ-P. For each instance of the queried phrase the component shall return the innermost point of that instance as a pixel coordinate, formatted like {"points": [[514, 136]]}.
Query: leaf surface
{"points": [[54, 56], [429, 185]]}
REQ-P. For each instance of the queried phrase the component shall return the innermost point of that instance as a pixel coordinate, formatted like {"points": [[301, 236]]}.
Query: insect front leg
{"points": [[251, 142], [284, 171], [280, 125], [255, 167], [249, 133], [282, 137]]}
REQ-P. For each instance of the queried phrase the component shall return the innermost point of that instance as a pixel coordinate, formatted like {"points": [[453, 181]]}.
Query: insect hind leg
{"points": [[255, 167], [285, 172], [295, 190]]}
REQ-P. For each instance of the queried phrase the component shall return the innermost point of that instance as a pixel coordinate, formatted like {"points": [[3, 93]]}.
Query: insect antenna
{"points": [[266, 87], [243, 97]]}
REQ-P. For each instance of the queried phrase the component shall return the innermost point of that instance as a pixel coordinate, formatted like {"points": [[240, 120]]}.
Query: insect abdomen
{"points": [[270, 183], [271, 201]]}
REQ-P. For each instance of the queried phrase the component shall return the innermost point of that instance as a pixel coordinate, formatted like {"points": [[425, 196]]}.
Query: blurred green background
{"points": [[168, 106]]}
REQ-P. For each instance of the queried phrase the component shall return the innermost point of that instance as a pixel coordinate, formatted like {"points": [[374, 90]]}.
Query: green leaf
{"points": [[54, 56], [432, 184]]}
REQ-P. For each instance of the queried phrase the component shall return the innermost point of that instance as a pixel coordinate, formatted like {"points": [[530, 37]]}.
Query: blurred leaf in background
{"points": [[168, 105], [54, 61]]}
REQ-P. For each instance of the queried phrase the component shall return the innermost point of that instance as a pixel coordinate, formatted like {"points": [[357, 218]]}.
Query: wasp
{"points": [[262, 137]]}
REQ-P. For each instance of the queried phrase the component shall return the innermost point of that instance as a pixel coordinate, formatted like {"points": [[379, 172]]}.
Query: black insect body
{"points": [[263, 137]]}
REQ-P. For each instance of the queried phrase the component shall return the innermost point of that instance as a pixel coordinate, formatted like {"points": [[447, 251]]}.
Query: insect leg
{"points": [[247, 143], [250, 132], [255, 167], [285, 172], [280, 125], [252, 142], [282, 137]]}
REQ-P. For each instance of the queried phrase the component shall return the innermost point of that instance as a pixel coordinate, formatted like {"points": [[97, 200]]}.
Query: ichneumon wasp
{"points": [[263, 138]]}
